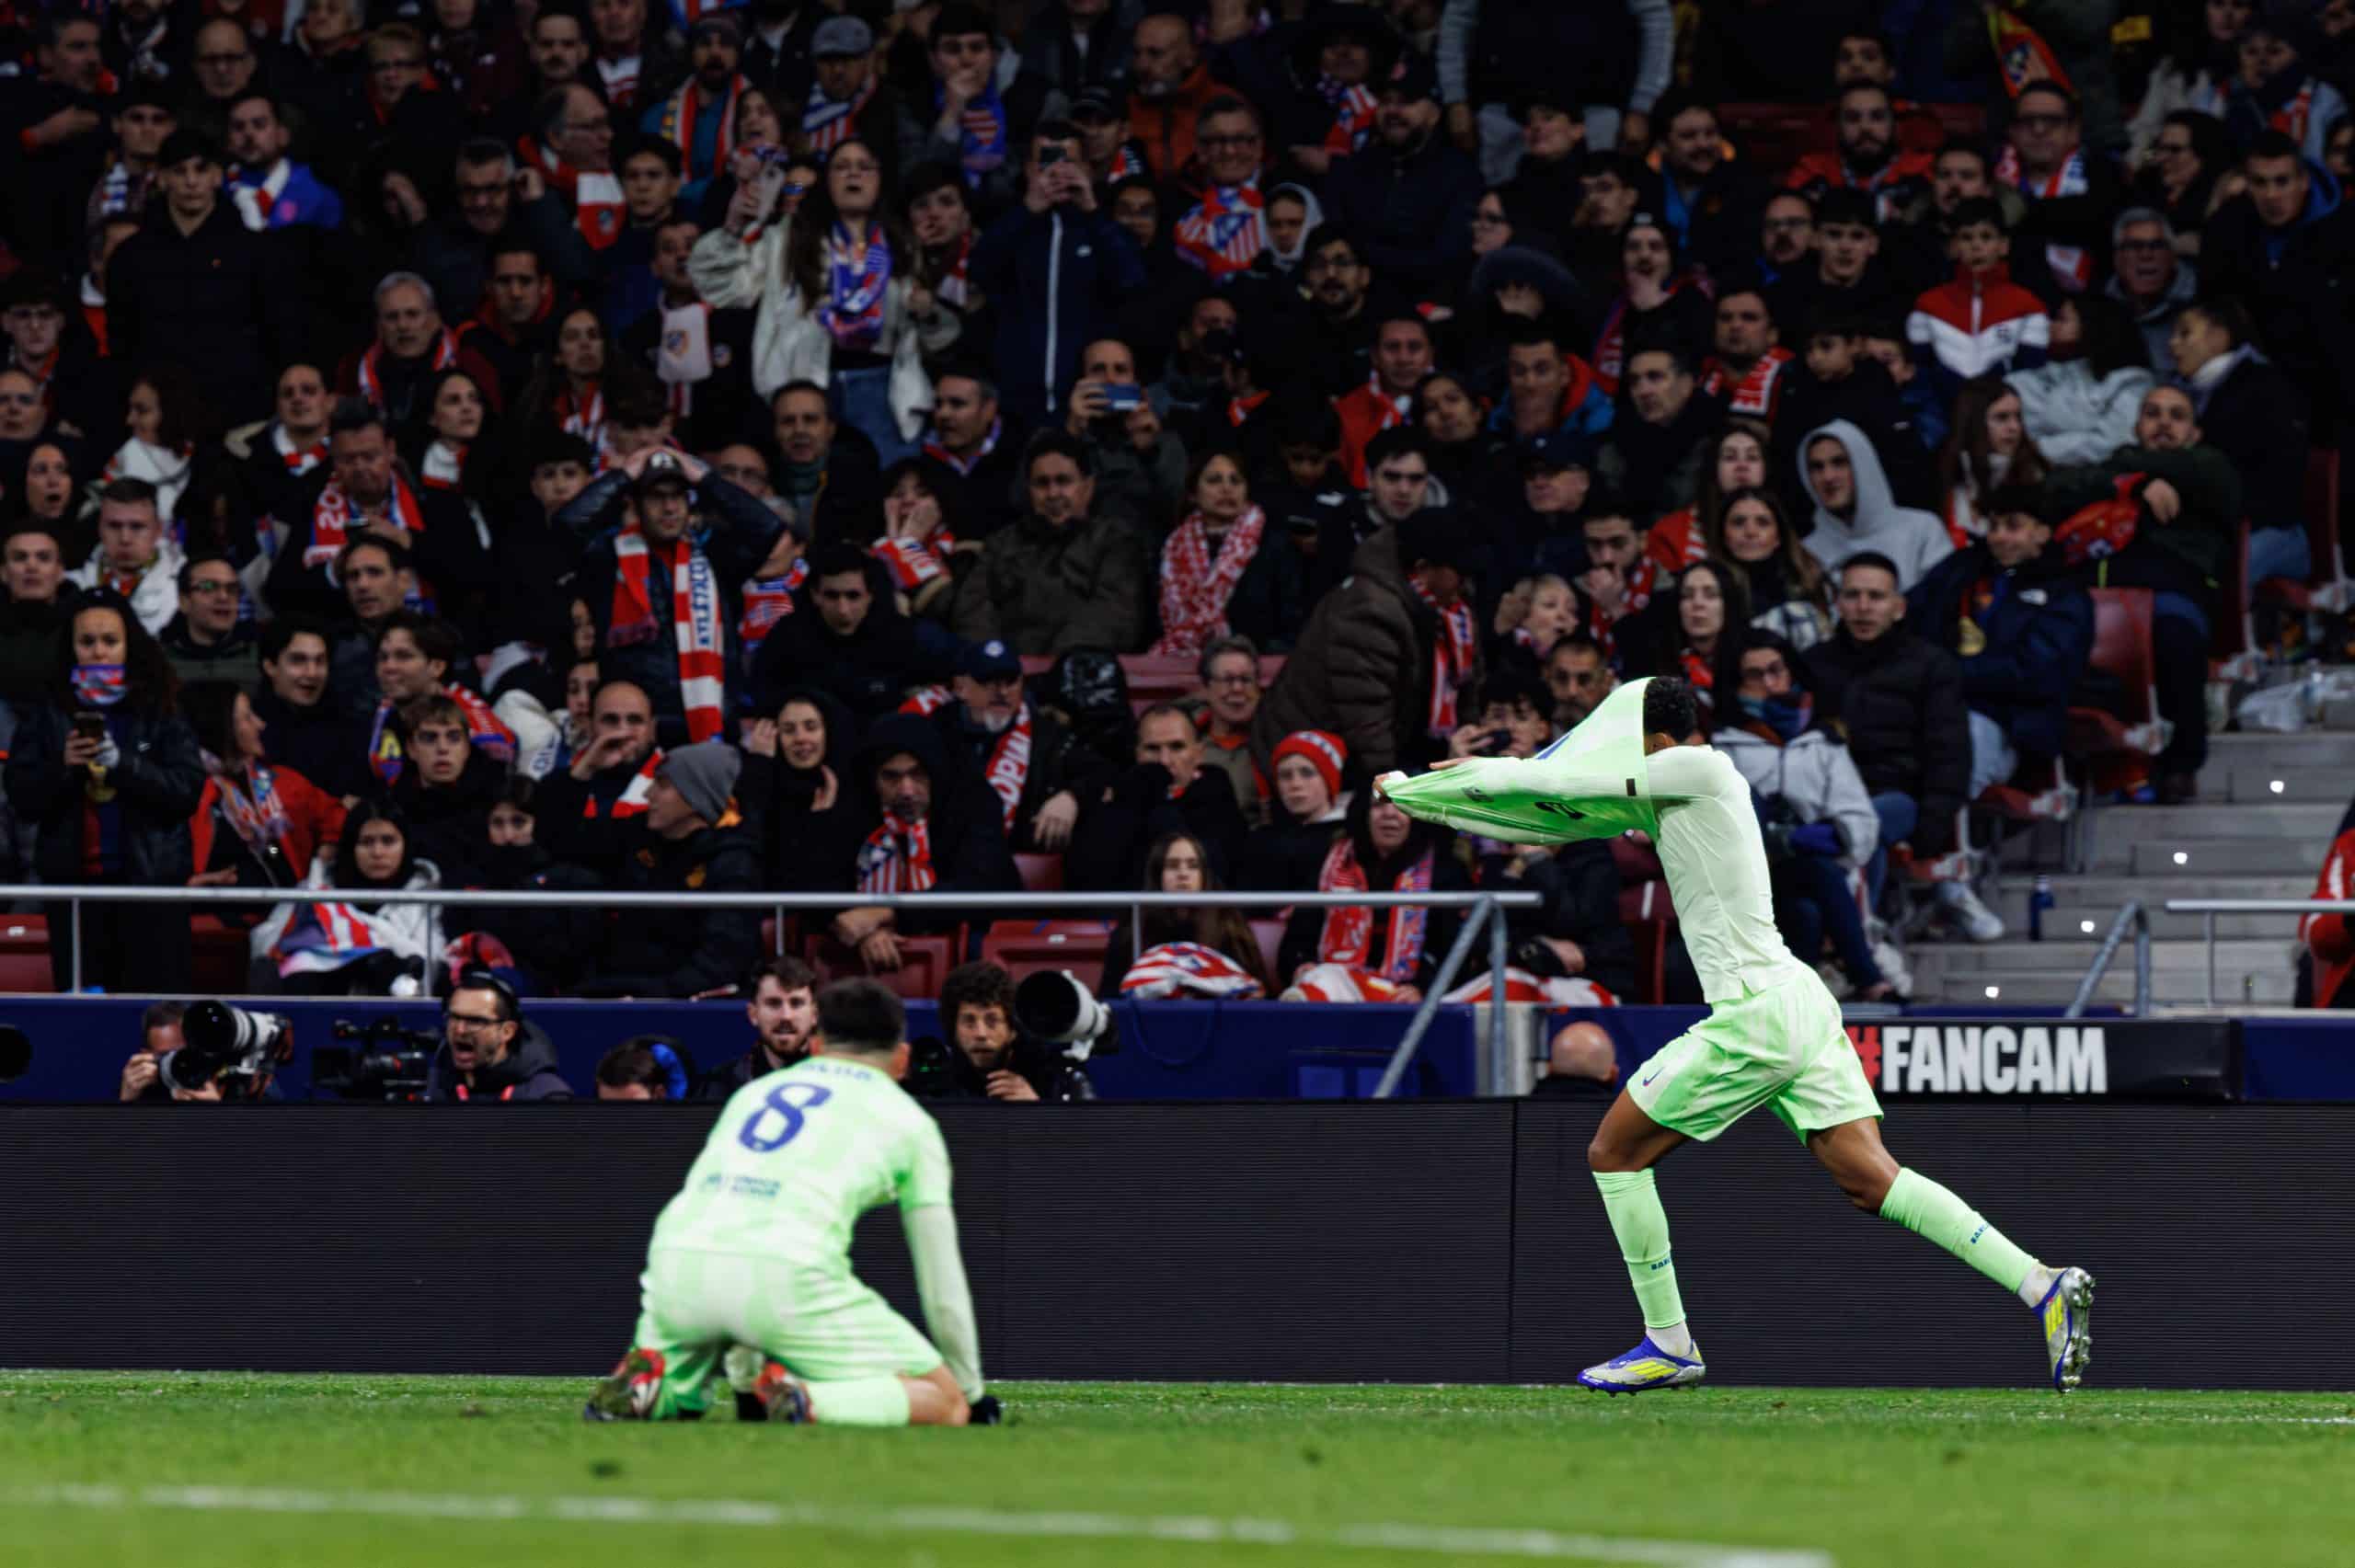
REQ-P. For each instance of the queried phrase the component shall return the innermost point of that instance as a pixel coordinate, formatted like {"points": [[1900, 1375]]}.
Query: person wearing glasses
{"points": [[488, 1055], [1040, 772], [203, 642], [2150, 278], [1411, 192]]}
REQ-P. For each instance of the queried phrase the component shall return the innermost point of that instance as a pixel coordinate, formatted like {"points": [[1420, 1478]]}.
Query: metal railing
{"points": [[2209, 908], [2132, 918], [1488, 910]]}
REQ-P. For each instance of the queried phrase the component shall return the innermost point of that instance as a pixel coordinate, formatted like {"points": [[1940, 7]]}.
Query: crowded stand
{"points": [[880, 448]]}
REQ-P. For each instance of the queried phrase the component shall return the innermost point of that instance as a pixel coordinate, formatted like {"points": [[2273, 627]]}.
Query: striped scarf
{"points": [[897, 857], [336, 519], [1225, 233], [853, 314], [1352, 116], [2072, 264], [829, 124], [981, 132], [1195, 587], [1009, 764], [683, 111], [372, 377], [964, 466], [695, 621], [632, 801], [1452, 652], [768, 600], [1348, 933], [1188, 968]]}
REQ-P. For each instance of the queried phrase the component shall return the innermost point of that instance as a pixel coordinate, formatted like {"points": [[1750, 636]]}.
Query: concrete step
{"points": [[2264, 786], [2088, 924], [2078, 899], [2178, 855], [2314, 748], [2188, 993], [1997, 959]]}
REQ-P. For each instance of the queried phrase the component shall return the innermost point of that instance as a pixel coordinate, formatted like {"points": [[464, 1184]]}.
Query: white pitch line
{"points": [[1437, 1539]]}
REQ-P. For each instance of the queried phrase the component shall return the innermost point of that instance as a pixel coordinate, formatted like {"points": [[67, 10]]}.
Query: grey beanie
{"points": [[704, 774]]}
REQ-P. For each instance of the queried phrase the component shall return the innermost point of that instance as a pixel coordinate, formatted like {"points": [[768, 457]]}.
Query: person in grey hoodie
{"points": [[1854, 510]]}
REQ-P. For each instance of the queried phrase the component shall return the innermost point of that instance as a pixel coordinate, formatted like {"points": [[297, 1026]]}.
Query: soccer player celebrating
{"points": [[751, 1261], [1772, 1037]]}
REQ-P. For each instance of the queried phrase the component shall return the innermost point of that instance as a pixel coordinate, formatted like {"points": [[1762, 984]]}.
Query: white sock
{"points": [[1676, 1339], [2039, 1280]]}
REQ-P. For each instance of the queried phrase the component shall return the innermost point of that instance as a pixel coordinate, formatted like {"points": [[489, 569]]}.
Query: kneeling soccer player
{"points": [[1772, 1037], [755, 1250]]}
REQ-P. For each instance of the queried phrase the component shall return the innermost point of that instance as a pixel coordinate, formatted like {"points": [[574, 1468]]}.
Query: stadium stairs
{"points": [[2267, 810]]}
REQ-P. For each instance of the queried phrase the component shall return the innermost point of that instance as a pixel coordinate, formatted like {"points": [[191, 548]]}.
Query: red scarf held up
{"points": [[1453, 650], [1195, 586], [1348, 933], [633, 800], [897, 857], [335, 519], [596, 195], [693, 617], [1009, 765]]}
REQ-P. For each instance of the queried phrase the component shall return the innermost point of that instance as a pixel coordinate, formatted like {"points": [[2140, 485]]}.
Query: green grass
{"points": [[1871, 1477]]}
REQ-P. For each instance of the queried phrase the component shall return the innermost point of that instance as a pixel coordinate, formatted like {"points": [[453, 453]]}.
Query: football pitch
{"points": [[135, 1467]]}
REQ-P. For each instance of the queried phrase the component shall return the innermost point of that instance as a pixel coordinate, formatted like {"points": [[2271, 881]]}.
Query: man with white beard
{"points": [[1040, 772]]}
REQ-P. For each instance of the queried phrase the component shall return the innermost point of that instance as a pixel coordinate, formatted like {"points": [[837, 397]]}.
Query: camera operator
{"points": [[488, 1053], [782, 1010], [991, 1058], [159, 1036]]}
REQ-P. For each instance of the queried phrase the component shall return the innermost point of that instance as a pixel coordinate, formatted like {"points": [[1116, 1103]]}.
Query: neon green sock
{"points": [[860, 1401], [1632, 1200], [1927, 1209]]}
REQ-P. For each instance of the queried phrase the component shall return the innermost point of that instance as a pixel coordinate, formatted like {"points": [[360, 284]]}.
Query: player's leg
{"points": [[672, 1354], [838, 1355]]}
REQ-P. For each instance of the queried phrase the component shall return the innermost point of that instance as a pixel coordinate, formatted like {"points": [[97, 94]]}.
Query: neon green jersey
{"points": [[797, 1156], [1596, 782]]}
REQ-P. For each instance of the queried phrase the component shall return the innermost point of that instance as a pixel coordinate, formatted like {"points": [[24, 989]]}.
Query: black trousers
{"points": [[2179, 644]]}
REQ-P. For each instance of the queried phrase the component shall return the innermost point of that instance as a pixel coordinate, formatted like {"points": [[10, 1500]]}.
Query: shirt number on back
{"points": [[787, 1101]]}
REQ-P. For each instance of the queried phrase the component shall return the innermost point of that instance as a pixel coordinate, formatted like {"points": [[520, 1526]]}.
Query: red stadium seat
{"points": [[1041, 872], [2121, 650], [1159, 678], [1651, 958], [1271, 666], [2327, 586], [1024, 948], [1644, 902], [1637, 863], [24, 955], [1269, 934], [924, 962], [218, 962]]}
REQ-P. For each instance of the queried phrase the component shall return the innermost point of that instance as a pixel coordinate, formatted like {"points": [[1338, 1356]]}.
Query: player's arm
{"points": [[931, 1226], [1512, 798]]}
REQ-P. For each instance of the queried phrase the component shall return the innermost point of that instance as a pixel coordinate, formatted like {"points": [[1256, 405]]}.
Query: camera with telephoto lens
{"points": [[1051, 1005], [389, 1063], [227, 1046]]}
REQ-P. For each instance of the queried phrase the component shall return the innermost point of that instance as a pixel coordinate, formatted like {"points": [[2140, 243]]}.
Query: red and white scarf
{"points": [[768, 600], [1352, 117], [1195, 587], [252, 806], [372, 378], [445, 467], [912, 563], [955, 289], [1611, 347], [596, 195], [1226, 232], [299, 460], [1188, 968], [897, 857], [632, 801], [585, 420], [1758, 391], [1452, 653], [682, 110], [1347, 933], [621, 78], [683, 354], [1009, 765], [336, 519], [484, 732], [828, 124], [2071, 265], [695, 622]]}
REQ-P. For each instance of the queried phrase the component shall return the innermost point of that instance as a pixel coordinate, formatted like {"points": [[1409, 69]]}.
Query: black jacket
{"points": [[1057, 1079], [1900, 698], [1661, 464], [2296, 281], [1284, 857], [220, 303], [321, 742], [1116, 831], [448, 555], [740, 535], [2038, 632], [968, 836], [28, 635], [157, 783], [2257, 417], [681, 951], [1305, 928], [1412, 212], [1581, 885], [1058, 762], [528, 1073], [869, 671], [235, 658]]}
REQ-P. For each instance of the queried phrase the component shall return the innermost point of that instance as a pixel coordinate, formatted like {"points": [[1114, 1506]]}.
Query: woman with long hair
{"points": [[1734, 459], [1361, 952], [2082, 406], [1712, 616], [1205, 950], [361, 947], [1788, 595], [1220, 574], [2190, 176], [795, 785], [838, 299], [922, 545], [1450, 414], [109, 772], [453, 435], [2198, 69], [168, 418], [1531, 617], [1989, 448], [569, 392]]}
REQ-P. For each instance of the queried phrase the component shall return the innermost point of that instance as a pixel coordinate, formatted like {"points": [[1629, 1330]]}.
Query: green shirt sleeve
{"points": [[1593, 783]]}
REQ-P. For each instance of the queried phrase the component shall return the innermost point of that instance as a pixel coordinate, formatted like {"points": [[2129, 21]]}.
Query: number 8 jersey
{"points": [[797, 1156]]}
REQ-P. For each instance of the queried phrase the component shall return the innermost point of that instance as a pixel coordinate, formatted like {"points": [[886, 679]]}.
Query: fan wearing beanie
{"points": [[695, 843]]}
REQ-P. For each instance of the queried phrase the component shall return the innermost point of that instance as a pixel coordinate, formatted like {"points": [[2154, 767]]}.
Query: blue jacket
{"points": [[1058, 279], [2039, 632]]}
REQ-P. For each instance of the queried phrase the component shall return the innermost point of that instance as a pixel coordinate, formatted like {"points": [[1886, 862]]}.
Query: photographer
{"points": [[488, 1053], [159, 1036], [991, 1058], [206, 1055]]}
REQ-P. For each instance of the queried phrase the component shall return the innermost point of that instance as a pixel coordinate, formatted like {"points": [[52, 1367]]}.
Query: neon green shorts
{"points": [[823, 1323], [1782, 1047]]}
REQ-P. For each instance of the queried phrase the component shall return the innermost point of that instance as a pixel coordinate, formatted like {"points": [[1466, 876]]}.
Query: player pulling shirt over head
{"points": [[1773, 1035], [751, 1261]]}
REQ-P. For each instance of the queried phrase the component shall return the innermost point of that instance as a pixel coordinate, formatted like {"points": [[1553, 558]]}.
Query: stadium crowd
{"points": [[680, 448]]}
